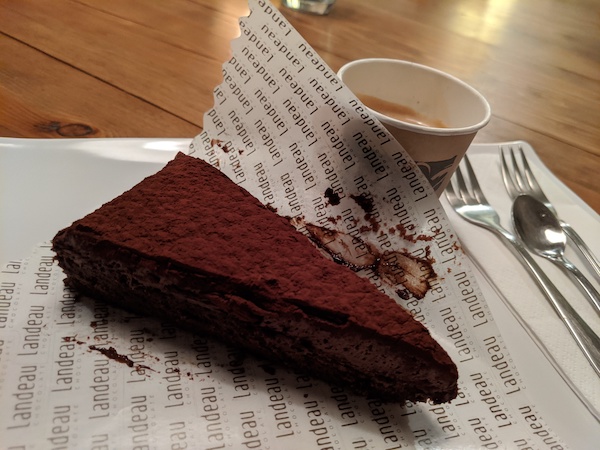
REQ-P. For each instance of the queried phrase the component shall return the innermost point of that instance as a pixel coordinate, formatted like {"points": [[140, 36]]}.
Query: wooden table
{"points": [[140, 68]]}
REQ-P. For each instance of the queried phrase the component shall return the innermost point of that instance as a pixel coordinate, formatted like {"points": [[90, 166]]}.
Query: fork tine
{"points": [[528, 173], [477, 192], [509, 181], [531, 181], [463, 191], [518, 176], [453, 199]]}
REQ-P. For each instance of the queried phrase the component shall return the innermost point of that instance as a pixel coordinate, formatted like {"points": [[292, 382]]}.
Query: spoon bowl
{"points": [[540, 231], [538, 227]]}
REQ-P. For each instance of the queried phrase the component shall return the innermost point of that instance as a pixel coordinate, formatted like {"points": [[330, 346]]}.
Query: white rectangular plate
{"points": [[46, 184]]}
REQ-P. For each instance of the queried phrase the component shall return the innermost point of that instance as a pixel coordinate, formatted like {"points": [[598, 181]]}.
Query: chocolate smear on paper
{"points": [[394, 268], [112, 353], [364, 201]]}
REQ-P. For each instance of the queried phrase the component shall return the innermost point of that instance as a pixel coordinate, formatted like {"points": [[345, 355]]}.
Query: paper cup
{"points": [[455, 111]]}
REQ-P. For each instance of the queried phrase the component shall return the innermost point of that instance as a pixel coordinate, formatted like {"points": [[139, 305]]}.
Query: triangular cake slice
{"points": [[190, 246]]}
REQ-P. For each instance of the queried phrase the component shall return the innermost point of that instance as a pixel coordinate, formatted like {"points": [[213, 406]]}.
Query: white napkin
{"points": [[515, 286]]}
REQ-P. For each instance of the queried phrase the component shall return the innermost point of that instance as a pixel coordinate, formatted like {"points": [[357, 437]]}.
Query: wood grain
{"points": [[35, 103], [108, 68]]}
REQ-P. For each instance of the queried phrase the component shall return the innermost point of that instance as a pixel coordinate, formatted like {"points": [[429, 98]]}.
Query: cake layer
{"points": [[189, 245]]}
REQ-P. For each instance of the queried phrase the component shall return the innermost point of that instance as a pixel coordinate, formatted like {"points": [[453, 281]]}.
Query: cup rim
{"points": [[449, 131]]}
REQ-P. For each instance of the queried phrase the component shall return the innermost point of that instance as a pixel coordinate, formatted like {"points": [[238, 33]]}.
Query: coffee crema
{"points": [[399, 112]]}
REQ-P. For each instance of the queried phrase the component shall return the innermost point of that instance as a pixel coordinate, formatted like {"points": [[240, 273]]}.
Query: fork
{"points": [[471, 204], [523, 181]]}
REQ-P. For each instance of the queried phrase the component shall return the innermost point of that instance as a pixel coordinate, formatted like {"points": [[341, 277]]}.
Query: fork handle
{"points": [[587, 340], [582, 247], [590, 291]]}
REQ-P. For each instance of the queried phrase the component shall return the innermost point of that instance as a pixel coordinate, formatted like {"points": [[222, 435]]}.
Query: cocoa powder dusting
{"points": [[373, 221]]}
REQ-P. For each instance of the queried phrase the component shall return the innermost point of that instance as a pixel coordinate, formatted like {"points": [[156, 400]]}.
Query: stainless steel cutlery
{"points": [[466, 198], [519, 179], [541, 232]]}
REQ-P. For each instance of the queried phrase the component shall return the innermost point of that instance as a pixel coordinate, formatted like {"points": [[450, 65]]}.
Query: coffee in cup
{"points": [[432, 114]]}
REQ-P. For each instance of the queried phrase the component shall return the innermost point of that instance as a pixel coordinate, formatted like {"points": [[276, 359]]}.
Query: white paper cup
{"points": [[429, 92]]}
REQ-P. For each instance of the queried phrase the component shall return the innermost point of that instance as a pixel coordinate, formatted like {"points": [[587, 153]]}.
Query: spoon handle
{"points": [[583, 248], [576, 274], [587, 340]]}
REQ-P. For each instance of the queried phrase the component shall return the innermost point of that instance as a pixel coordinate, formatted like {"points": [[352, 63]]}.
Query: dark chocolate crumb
{"points": [[332, 197], [365, 202]]}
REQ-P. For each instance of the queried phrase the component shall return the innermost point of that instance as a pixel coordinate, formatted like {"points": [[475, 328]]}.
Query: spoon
{"points": [[541, 232]]}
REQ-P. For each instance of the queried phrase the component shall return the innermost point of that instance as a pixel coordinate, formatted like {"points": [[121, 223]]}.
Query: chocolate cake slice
{"points": [[189, 245]]}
